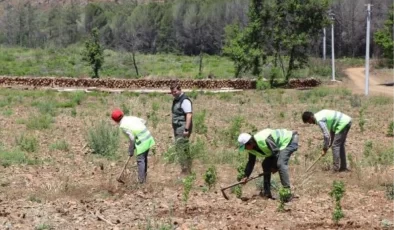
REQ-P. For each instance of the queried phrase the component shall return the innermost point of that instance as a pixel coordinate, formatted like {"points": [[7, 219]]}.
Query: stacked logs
{"points": [[111, 83], [303, 83]]}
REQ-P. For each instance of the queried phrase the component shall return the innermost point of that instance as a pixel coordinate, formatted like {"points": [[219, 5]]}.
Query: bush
{"points": [[26, 143], [337, 192], [210, 177], [60, 145], [40, 122], [187, 186], [103, 139], [390, 130], [11, 157], [232, 132], [199, 122]]}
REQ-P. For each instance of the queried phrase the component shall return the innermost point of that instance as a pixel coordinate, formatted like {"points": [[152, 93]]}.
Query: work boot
{"points": [[267, 195]]}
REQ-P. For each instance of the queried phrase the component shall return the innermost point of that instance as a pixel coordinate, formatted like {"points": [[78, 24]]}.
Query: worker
{"points": [[182, 124], [335, 127], [275, 146], [141, 140]]}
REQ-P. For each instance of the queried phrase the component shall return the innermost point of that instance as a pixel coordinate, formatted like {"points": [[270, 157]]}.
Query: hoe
{"points": [[119, 179], [233, 185]]}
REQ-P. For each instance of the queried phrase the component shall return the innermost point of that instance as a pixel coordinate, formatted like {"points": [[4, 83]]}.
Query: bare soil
{"points": [[77, 190]]}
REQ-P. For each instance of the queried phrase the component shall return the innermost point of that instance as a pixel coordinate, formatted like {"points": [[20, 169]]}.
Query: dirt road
{"points": [[357, 82]]}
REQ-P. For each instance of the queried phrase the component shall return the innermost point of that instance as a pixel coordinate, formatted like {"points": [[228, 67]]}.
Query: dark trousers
{"points": [[280, 163], [142, 163]]}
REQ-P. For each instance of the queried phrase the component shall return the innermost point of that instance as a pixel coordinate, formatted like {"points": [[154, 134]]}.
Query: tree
{"points": [[94, 53], [245, 47], [384, 37]]}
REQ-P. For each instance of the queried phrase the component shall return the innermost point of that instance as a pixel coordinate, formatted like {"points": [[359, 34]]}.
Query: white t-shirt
{"points": [[186, 106]]}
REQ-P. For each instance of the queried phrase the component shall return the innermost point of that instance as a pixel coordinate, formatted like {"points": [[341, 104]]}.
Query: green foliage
{"points": [[361, 121], [152, 116], [261, 84], [103, 139], [60, 145], [12, 157], [390, 191], [210, 176], [94, 53], [337, 192], [187, 186], [237, 190], [368, 146], [390, 130], [232, 132], [39, 122], [26, 143], [44, 227], [284, 196], [383, 37], [355, 101], [199, 122]]}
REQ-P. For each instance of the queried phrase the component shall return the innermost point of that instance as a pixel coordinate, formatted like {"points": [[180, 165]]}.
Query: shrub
{"points": [[233, 131], [390, 191], [284, 196], [337, 192], [210, 177], [26, 143], [11, 157], [199, 122], [103, 139], [60, 145], [187, 186], [40, 122], [390, 130], [355, 101]]}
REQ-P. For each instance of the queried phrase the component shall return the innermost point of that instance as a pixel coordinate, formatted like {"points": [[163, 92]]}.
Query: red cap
{"points": [[117, 115]]}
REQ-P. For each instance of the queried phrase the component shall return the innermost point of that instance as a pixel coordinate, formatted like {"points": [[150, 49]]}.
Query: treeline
{"points": [[188, 27]]}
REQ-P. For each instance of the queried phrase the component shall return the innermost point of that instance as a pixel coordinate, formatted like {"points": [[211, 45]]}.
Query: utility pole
{"points": [[324, 44], [332, 46], [367, 49]]}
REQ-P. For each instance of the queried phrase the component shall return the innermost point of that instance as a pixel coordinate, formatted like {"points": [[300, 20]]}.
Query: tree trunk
{"points": [[134, 62], [291, 64]]}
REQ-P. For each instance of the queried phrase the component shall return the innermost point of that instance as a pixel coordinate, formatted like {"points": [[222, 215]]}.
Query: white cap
{"points": [[243, 138]]}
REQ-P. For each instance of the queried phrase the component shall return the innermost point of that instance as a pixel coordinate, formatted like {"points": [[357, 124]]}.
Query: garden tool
{"points": [[119, 179], [235, 184]]}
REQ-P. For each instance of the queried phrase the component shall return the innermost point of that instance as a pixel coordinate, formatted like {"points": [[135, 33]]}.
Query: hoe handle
{"points": [[235, 184], [124, 167], [321, 155]]}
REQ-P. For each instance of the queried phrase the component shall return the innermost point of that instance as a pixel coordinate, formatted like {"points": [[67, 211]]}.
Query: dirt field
{"points": [[57, 187]]}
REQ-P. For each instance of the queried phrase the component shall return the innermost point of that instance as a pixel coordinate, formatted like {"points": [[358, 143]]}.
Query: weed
{"points": [[11, 157], [7, 112], [337, 192], [390, 191], [73, 112], [187, 185], [361, 122], [60, 145], [193, 94], [26, 143], [125, 109], [210, 177], [199, 122], [368, 146], [232, 132], [77, 97], [237, 190], [44, 227], [390, 130], [35, 199], [380, 100], [355, 101], [39, 122], [152, 116], [103, 139], [225, 96], [284, 196]]}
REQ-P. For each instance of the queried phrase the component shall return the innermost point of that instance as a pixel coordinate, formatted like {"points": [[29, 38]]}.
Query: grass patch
{"points": [[61, 145], [14, 157], [39, 122], [103, 139], [27, 143]]}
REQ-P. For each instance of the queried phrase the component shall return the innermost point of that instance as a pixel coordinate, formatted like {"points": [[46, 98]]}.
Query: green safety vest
{"points": [[336, 121], [282, 138], [143, 139]]}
